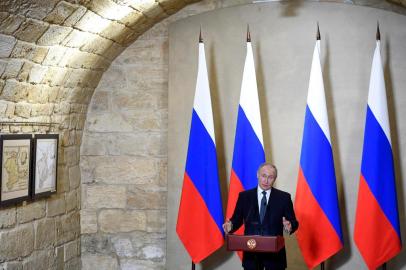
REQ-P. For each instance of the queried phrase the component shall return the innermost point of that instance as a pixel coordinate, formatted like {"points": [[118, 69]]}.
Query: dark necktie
{"points": [[263, 206]]}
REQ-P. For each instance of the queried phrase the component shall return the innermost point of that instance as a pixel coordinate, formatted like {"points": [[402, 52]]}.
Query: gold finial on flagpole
{"points": [[378, 33], [248, 33], [318, 32]]}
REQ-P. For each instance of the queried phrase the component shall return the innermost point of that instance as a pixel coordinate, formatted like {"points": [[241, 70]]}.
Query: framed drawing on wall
{"points": [[45, 164], [15, 168]]}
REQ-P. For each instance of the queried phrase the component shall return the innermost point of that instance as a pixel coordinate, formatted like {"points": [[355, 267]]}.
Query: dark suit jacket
{"points": [[246, 212]]}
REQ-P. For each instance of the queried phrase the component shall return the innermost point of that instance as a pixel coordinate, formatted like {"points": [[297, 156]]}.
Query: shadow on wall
{"points": [[400, 260], [343, 255]]}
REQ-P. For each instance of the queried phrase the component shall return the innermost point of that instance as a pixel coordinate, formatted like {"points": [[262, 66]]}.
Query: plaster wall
{"points": [[283, 38]]}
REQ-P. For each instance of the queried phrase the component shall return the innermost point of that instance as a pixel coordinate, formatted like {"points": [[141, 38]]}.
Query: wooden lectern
{"points": [[254, 243]]}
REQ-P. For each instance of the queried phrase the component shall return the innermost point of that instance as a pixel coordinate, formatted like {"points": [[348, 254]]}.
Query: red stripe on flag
{"points": [[374, 235], [196, 228], [235, 189], [316, 236]]}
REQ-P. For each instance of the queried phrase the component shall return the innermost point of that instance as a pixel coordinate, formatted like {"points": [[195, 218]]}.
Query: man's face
{"points": [[266, 177]]}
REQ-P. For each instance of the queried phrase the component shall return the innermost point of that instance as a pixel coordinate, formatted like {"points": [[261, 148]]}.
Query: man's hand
{"points": [[227, 226], [287, 226]]}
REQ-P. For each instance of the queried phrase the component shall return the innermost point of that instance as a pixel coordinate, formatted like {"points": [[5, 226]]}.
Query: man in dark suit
{"points": [[264, 210]]}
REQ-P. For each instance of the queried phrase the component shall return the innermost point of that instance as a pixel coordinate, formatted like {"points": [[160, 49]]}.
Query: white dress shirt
{"points": [[259, 194]]}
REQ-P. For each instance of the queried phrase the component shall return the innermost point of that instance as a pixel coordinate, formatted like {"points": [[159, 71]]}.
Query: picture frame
{"points": [[16, 168], [45, 165]]}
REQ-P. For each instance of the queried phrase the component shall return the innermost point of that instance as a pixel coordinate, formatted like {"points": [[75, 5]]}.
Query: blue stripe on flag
{"points": [[248, 152], [317, 164], [378, 169], [201, 166]]}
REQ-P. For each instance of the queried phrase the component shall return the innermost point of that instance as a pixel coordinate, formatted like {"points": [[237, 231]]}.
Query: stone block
{"points": [[106, 196], [116, 221], [156, 221], [88, 221], [71, 250], [108, 122], [91, 22], [55, 34], [71, 155], [25, 71], [152, 144], [31, 30], [22, 234], [56, 206], [59, 257], [40, 9], [74, 177], [123, 247], [118, 170], [93, 144], [73, 264], [37, 74], [153, 252], [39, 260], [12, 69], [11, 23], [12, 266], [7, 218], [30, 212], [99, 262], [96, 243], [29, 51], [23, 110], [156, 81], [60, 13], [96, 44], [77, 39], [6, 45], [67, 227], [45, 233], [3, 65], [133, 18], [75, 16], [115, 31], [109, 9], [140, 199], [41, 109], [55, 76], [114, 50], [71, 201], [54, 56]]}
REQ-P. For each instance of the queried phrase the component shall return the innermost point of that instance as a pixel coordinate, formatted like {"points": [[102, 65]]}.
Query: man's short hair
{"points": [[268, 164]]}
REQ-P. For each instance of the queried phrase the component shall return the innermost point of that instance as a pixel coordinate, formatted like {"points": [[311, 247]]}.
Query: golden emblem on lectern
{"points": [[251, 243]]}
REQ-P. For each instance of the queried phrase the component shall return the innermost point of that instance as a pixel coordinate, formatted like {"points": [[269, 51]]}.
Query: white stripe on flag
{"points": [[377, 93], [249, 94], [316, 99], [202, 101]]}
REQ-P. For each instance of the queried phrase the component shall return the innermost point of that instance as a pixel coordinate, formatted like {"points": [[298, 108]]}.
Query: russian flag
{"points": [[316, 202], [248, 144], [377, 230], [200, 216]]}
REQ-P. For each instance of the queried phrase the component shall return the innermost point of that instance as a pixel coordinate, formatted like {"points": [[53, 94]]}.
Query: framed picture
{"points": [[45, 164], [15, 168]]}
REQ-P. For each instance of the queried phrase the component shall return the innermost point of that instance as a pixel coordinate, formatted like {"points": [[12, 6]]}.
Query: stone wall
{"points": [[124, 157], [52, 56]]}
